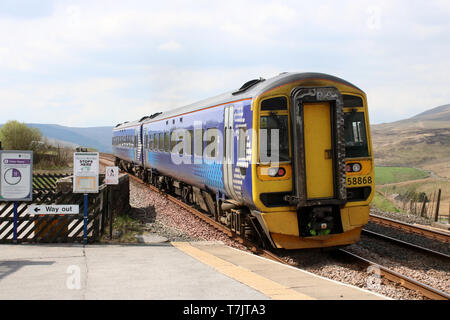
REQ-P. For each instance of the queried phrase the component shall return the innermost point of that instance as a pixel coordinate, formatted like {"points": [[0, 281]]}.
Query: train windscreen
{"points": [[355, 135]]}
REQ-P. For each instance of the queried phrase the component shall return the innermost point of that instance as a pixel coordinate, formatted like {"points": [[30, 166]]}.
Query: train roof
{"points": [[249, 90]]}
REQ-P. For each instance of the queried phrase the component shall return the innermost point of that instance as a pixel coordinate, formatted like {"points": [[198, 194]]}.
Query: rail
{"points": [[433, 234]]}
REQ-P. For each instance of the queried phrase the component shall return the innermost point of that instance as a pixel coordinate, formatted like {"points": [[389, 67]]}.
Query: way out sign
{"points": [[54, 209], [112, 175], [85, 172]]}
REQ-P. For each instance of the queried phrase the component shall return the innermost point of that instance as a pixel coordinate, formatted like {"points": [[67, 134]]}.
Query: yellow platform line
{"points": [[266, 286]]}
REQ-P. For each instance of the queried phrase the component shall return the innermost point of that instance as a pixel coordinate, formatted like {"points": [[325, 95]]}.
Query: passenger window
{"points": [[150, 142], [166, 142], [242, 147], [212, 137], [161, 141], [198, 144], [190, 142]]}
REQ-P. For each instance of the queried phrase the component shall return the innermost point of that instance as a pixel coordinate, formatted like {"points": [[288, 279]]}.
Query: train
{"points": [[285, 161]]}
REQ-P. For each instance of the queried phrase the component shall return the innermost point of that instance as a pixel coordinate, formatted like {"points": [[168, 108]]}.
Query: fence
{"points": [[46, 181], [426, 205], [54, 228]]}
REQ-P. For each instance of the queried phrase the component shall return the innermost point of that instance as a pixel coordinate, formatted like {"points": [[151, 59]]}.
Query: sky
{"points": [[98, 63]]}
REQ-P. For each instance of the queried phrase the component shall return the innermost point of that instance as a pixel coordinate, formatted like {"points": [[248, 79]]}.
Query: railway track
{"points": [[408, 245], [407, 282], [403, 280], [429, 233]]}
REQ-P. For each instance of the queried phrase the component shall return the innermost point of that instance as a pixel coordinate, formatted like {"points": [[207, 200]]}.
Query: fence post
{"points": [[423, 207], [15, 222], [85, 207], [437, 206]]}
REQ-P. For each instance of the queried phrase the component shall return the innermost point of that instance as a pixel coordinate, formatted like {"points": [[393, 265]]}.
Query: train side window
{"points": [[189, 142], [150, 141], [166, 141], [177, 137], [278, 103], [242, 146], [161, 141], [274, 127], [198, 142], [212, 141]]}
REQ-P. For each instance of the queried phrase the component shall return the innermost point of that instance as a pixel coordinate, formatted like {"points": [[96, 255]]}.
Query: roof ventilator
{"points": [[248, 85]]}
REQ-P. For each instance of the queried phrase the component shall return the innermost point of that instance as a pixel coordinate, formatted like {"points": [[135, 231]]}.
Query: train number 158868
{"points": [[354, 181]]}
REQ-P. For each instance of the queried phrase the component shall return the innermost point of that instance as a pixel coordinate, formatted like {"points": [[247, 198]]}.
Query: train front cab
{"points": [[318, 194]]}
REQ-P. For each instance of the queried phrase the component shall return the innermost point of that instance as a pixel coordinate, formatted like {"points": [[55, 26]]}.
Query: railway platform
{"points": [[177, 270]]}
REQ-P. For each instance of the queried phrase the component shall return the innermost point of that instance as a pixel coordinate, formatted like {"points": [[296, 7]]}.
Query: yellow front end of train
{"points": [[316, 194]]}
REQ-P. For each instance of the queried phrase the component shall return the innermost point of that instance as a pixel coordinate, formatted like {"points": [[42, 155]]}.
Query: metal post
{"points": [[437, 206], [110, 190], [15, 221], [85, 218]]}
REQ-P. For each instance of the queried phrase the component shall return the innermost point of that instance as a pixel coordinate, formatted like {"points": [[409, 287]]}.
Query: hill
{"points": [[421, 141], [92, 137]]}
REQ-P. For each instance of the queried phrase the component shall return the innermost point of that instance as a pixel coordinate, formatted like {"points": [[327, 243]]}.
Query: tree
{"points": [[17, 136]]}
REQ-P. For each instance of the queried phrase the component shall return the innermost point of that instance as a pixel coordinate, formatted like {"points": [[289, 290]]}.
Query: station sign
{"points": [[85, 172], [54, 209], [112, 175], [16, 175]]}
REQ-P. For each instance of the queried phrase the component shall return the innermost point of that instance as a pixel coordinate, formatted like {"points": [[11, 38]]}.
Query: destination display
{"points": [[16, 175]]}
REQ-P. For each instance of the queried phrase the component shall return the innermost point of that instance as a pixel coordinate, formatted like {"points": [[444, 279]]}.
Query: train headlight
{"points": [[353, 167], [356, 167], [276, 172], [272, 172]]}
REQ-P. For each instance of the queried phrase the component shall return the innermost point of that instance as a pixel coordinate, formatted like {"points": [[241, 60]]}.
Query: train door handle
{"points": [[328, 154]]}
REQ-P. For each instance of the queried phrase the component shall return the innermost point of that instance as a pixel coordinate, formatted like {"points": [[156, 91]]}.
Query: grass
{"points": [[128, 226], [380, 202], [384, 175]]}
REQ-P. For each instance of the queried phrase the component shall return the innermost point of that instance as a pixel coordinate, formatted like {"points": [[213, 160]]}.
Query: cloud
{"points": [[96, 63], [170, 46]]}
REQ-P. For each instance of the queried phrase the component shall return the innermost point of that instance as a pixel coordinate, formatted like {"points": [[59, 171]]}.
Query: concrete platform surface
{"points": [[198, 270]]}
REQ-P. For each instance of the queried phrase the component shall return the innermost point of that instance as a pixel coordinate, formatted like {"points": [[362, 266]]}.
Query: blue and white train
{"points": [[306, 182]]}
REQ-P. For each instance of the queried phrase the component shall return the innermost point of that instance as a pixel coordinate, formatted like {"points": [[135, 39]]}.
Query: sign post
{"points": [[16, 180], [85, 180], [111, 178]]}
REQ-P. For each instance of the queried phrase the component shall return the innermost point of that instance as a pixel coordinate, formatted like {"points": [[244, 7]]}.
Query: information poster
{"points": [[16, 170], [85, 172], [112, 175]]}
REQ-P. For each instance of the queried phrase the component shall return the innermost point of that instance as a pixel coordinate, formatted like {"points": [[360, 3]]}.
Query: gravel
{"points": [[403, 217], [432, 271], [167, 219], [413, 238], [328, 265], [163, 217]]}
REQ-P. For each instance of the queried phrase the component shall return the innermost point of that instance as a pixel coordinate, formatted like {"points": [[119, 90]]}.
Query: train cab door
{"points": [[318, 145], [229, 152]]}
